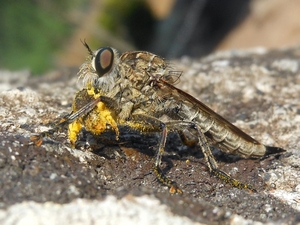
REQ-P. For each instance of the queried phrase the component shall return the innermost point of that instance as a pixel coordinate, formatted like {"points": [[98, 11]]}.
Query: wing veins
{"points": [[185, 96]]}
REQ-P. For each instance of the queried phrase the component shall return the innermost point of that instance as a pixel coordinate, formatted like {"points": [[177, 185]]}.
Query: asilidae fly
{"points": [[137, 90]]}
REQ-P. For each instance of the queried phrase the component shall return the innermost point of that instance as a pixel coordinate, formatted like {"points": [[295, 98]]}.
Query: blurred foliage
{"points": [[192, 27], [31, 31]]}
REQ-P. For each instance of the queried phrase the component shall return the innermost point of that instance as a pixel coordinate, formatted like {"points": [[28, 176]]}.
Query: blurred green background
{"points": [[34, 34], [31, 32], [42, 35]]}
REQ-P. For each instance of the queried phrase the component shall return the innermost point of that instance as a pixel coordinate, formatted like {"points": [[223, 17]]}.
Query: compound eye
{"points": [[103, 61]]}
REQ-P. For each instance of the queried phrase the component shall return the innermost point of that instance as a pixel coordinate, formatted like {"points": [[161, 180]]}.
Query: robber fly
{"points": [[136, 89]]}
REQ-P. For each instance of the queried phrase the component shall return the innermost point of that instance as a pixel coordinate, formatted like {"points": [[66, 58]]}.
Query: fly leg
{"points": [[38, 139], [146, 123], [208, 156], [212, 164], [157, 170]]}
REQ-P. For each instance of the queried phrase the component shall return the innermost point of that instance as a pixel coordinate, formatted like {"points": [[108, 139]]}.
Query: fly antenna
{"points": [[88, 47]]}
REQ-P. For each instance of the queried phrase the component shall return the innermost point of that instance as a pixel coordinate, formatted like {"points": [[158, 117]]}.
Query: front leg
{"points": [[67, 120], [90, 110]]}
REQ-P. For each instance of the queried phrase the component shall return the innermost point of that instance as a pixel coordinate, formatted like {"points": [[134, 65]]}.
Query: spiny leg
{"points": [[38, 139], [146, 123], [208, 156], [159, 174], [213, 166]]}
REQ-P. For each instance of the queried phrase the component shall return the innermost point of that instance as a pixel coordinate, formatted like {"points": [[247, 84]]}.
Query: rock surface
{"points": [[112, 183]]}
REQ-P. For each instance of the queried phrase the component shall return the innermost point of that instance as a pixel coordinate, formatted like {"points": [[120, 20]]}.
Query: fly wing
{"points": [[183, 96]]}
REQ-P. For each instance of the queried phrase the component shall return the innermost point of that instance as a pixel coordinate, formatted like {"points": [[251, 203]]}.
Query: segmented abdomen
{"points": [[228, 140]]}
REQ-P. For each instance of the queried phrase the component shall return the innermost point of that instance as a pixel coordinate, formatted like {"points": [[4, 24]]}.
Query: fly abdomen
{"points": [[233, 143], [229, 140]]}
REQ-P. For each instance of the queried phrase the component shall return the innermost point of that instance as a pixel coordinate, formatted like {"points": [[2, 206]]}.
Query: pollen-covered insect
{"points": [[137, 90]]}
